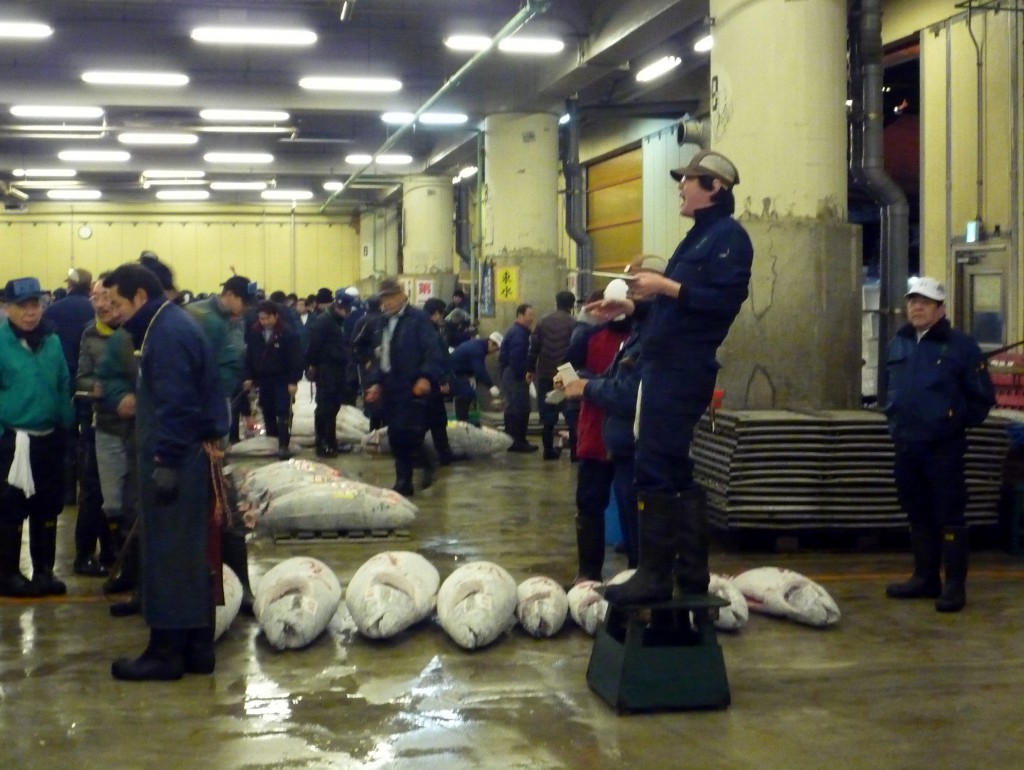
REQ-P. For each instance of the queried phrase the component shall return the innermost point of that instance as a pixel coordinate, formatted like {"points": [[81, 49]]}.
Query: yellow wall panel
{"points": [[614, 170], [615, 205], [614, 247]]}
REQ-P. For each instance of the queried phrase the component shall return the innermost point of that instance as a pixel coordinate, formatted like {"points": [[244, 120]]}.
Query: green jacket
{"points": [[35, 388], [226, 337], [117, 369]]}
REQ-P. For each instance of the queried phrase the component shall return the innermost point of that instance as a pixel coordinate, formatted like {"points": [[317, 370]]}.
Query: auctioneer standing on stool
{"points": [[938, 387], [35, 414], [690, 311], [179, 408]]}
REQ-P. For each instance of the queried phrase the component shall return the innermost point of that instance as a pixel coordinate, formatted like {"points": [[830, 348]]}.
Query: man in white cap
{"points": [[938, 387], [469, 361], [686, 314]]}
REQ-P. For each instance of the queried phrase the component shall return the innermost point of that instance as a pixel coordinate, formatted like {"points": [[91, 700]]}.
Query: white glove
{"points": [[495, 391]]}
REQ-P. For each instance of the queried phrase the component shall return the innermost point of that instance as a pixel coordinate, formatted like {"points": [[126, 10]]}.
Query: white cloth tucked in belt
{"points": [[20, 475], [636, 418]]}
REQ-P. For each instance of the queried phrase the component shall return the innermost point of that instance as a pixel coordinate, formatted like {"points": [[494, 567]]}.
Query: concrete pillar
{"points": [[378, 243], [780, 116], [427, 211], [520, 207]]}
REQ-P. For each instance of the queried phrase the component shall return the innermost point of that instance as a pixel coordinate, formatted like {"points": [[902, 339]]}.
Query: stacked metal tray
{"points": [[819, 471]]}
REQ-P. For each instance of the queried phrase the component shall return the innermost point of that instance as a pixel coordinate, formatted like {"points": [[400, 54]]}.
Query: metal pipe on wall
{"points": [[576, 201]]}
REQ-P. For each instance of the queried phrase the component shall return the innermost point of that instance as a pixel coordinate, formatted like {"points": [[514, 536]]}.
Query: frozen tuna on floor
{"points": [[464, 438], [259, 483], [295, 600], [735, 616], [225, 614], [476, 604], [541, 606], [351, 426], [391, 592], [787, 594], [336, 506], [258, 446], [586, 606]]}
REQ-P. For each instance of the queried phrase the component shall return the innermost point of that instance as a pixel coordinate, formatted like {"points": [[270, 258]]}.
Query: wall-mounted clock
{"points": [[85, 232]]}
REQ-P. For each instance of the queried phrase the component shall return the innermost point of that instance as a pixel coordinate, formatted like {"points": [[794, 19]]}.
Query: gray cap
{"points": [[709, 163]]}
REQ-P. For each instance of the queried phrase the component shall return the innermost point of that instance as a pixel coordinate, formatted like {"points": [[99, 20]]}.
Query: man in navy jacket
{"points": [[513, 363], [938, 387]]}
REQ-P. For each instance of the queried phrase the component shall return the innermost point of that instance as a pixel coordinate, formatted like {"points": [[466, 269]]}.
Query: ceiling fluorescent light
{"points": [[118, 156], [46, 172], [394, 159], [276, 36], [147, 183], [238, 157], [659, 68], [222, 186], [705, 44], [347, 7], [74, 195], [467, 172], [397, 118], [47, 184], [246, 129], [443, 118], [334, 186], [468, 42], [172, 173], [134, 78], [540, 45], [56, 112], [564, 119], [286, 195], [24, 30], [245, 116], [357, 159], [364, 85], [183, 195], [146, 137]]}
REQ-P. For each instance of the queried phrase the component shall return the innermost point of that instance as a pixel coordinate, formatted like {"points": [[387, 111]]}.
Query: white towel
{"points": [[636, 418], [21, 468]]}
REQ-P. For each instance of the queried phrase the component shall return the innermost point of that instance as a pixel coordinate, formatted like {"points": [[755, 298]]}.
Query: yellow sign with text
{"points": [[506, 284]]}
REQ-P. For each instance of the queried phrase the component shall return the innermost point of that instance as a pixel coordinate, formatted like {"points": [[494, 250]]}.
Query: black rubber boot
{"points": [[326, 444], [954, 555], [693, 543], [283, 437], [199, 656], [234, 554], [403, 477], [925, 583], [163, 659], [429, 462], [517, 427], [12, 582], [547, 440], [125, 575], [42, 544], [652, 582], [590, 547]]}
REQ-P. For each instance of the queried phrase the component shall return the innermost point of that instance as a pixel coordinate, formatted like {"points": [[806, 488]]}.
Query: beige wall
{"points": [[903, 18], [267, 246]]}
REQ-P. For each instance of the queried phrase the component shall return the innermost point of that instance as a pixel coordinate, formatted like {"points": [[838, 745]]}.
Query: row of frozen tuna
{"points": [[479, 601]]}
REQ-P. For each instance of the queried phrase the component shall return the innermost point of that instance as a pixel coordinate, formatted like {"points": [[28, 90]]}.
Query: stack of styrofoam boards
{"points": [[784, 470]]}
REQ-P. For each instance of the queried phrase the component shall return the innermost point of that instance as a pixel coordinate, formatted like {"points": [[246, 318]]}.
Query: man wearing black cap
{"points": [[35, 412], [939, 387], [329, 365], [408, 370], [686, 314]]}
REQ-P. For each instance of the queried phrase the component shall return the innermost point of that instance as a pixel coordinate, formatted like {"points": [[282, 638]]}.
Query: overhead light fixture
{"points": [[397, 118], [538, 45], [564, 119], [358, 84], [393, 159], [358, 159], [467, 172], [78, 194], [155, 138], [246, 129], [443, 118], [286, 195], [658, 68], [334, 186], [55, 112], [704, 44], [24, 30], [147, 183], [134, 78], [224, 186], [173, 173], [48, 184], [238, 157], [245, 116], [347, 7], [44, 172], [468, 42], [275, 36], [117, 156], [183, 195]]}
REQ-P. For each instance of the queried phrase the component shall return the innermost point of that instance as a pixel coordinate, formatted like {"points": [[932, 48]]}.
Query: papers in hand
{"points": [[609, 274], [568, 374]]}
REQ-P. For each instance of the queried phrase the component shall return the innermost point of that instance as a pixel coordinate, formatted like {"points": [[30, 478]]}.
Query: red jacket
{"points": [[602, 346]]}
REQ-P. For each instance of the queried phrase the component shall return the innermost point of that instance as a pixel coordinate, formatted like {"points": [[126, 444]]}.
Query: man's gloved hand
{"points": [[495, 391], [165, 485]]}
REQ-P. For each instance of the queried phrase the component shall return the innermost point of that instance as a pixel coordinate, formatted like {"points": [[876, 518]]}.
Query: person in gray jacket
{"points": [[549, 343]]}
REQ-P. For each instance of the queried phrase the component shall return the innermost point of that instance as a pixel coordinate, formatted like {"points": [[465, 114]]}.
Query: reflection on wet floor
{"points": [[893, 685]]}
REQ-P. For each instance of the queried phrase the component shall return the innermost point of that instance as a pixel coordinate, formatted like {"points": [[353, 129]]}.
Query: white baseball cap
{"points": [[496, 338], [927, 287]]}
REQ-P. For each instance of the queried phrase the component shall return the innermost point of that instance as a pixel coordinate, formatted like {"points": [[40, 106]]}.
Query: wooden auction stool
{"points": [[662, 656]]}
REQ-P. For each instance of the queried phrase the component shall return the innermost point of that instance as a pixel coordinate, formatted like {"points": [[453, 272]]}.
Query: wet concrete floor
{"points": [[893, 685]]}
